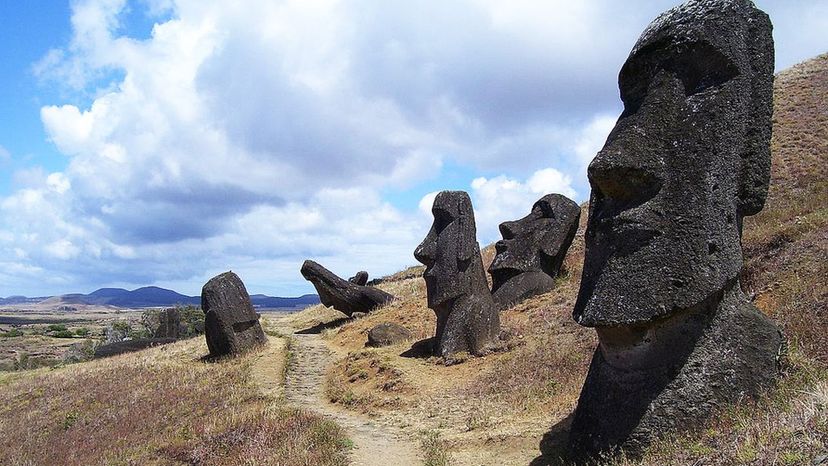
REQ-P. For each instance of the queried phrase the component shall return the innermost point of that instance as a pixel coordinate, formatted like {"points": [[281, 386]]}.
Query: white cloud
{"points": [[427, 202], [252, 134], [501, 198], [5, 155]]}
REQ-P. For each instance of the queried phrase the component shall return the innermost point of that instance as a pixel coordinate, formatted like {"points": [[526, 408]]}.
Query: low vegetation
{"points": [[159, 406]]}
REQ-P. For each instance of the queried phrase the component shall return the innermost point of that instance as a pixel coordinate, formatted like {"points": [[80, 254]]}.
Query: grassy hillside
{"points": [[498, 409], [159, 406]]}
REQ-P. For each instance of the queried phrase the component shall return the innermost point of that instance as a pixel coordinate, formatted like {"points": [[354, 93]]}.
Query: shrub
{"points": [[117, 330], [192, 320], [56, 328], [11, 333]]}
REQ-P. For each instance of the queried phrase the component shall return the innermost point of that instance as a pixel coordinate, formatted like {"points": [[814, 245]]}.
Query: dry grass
{"points": [[786, 427], [158, 406], [367, 381]]}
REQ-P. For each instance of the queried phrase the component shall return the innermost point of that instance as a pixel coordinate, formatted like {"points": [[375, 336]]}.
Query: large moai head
{"points": [[532, 250], [467, 318], [450, 251], [687, 159]]}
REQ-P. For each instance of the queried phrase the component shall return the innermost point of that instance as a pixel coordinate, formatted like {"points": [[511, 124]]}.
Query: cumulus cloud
{"points": [[502, 198], [253, 134]]}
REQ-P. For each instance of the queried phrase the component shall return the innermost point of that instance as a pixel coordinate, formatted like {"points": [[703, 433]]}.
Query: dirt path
{"points": [[374, 443], [269, 366]]}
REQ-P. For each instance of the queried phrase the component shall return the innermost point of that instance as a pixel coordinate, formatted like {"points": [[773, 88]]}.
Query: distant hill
{"points": [[153, 296]]}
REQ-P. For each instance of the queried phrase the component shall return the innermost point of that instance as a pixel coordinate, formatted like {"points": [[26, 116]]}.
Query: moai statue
{"points": [[361, 278], [169, 324], [688, 158], [345, 296], [231, 326], [467, 317], [532, 250]]}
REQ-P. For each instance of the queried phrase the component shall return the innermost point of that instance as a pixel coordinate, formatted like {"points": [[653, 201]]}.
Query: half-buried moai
{"points": [[467, 317], [688, 158], [345, 296], [532, 250], [230, 323]]}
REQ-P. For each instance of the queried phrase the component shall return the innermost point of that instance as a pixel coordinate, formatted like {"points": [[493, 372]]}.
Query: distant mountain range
{"points": [[153, 296]]}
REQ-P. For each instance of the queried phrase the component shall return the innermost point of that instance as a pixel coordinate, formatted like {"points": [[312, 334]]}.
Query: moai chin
{"points": [[467, 318], [688, 158], [532, 250]]}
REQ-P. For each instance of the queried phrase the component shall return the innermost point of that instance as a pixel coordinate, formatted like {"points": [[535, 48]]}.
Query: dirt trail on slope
{"points": [[374, 442], [269, 366]]}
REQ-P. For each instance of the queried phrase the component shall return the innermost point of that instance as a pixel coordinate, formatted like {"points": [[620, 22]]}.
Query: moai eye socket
{"points": [[701, 67], [442, 219], [697, 64]]}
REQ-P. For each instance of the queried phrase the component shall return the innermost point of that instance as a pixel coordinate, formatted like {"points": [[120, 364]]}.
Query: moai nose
{"points": [[617, 175], [426, 251], [507, 229]]}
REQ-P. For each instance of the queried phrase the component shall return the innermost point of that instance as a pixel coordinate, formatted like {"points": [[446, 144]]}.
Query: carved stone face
{"points": [[534, 242], [687, 159], [448, 249]]}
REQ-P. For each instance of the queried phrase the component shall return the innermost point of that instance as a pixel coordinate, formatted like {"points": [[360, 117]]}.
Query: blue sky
{"points": [[160, 142]]}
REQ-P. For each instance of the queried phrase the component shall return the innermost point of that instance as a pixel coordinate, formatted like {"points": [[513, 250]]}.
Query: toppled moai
{"points": [[688, 158], [532, 250], [343, 295], [230, 323], [467, 317], [361, 278]]}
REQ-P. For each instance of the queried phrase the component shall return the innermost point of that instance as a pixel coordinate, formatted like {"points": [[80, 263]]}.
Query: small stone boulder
{"points": [[231, 324], [387, 334]]}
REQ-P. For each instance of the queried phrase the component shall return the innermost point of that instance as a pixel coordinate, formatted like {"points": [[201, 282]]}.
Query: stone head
{"points": [[687, 160], [450, 251], [534, 242]]}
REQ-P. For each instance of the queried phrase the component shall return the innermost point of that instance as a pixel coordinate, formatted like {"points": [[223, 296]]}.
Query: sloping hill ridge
{"points": [[153, 296]]}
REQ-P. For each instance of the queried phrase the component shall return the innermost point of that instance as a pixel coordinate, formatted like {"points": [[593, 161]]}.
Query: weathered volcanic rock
{"points": [[361, 278], [467, 317], [169, 324], [344, 296], [387, 334], [532, 250], [687, 160], [231, 324]]}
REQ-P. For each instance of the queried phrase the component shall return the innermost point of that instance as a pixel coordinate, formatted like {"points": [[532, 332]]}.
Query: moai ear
{"points": [[467, 232], [754, 173]]}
